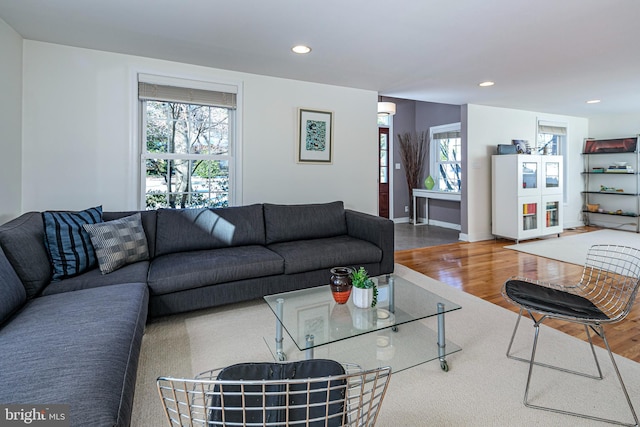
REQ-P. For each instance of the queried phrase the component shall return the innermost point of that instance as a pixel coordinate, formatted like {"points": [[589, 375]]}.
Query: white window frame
{"points": [[434, 158], [561, 147], [235, 131]]}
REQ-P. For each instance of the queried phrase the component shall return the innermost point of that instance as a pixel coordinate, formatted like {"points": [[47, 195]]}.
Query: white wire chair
{"points": [[604, 295], [352, 397]]}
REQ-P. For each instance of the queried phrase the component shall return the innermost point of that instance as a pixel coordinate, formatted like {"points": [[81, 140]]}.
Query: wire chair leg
{"points": [[561, 411], [593, 350], [536, 323], [536, 327], [513, 336], [615, 368]]}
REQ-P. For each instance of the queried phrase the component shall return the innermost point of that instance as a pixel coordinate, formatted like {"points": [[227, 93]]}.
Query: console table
{"points": [[430, 194]]}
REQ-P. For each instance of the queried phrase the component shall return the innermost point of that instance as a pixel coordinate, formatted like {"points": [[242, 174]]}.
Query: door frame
{"points": [[392, 170]]}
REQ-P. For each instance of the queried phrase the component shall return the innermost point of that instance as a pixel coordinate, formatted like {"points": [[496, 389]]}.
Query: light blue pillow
{"points": [[68, 243]]}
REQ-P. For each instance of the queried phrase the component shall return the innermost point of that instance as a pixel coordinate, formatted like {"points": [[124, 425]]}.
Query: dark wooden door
{"points": [[383, 180]]}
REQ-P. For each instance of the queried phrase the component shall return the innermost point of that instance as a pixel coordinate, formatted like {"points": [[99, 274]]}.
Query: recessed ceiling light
{"points": [[301, 49], [486, 84], [593, 101]]}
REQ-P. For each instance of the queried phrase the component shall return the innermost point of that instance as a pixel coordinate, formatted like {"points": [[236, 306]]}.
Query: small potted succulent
{"points": [[365, 292]]}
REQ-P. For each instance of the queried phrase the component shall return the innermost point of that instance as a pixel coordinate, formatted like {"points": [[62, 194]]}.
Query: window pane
{"points": [[383, 158], [384, 120], [383, 141], [548, 143], [450, 177], [449, 149], [186, 183], [448, 165], [186, 129]]}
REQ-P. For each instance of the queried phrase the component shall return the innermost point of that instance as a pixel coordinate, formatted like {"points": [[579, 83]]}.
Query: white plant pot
{"points": [[363, 319], [362, 298]]}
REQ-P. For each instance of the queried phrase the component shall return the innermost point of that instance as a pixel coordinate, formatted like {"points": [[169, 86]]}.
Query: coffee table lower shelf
{"points": [[409, 345]]}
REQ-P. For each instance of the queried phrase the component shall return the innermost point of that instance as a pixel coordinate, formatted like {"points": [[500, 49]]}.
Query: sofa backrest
{"points": [[12, 292], [22, 240], [285, 223], [180, 230]]}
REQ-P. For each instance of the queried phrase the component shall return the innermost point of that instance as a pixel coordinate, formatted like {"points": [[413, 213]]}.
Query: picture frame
{"points": [[315, 136], [314, 320]]}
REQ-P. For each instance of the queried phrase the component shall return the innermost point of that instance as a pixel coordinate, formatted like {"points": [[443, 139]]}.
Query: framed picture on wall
{"points": [[315, 136]]}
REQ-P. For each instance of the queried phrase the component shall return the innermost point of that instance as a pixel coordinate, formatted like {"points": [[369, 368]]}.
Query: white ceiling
{"points": [[544, 55]]}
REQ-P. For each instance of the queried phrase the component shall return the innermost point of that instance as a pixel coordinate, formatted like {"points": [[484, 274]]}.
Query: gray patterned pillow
{"points": [[118, 242]]}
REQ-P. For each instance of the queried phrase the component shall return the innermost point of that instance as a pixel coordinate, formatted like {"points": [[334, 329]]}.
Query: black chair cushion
{"points": [[278, 371], [533, 296]]}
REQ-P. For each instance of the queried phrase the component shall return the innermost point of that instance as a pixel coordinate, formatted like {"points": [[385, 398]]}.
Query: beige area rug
{"points": [[573, 249], [482, 387]]}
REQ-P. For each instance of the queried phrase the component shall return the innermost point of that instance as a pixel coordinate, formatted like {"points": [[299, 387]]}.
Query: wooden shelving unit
{"points": [[612, 183]]}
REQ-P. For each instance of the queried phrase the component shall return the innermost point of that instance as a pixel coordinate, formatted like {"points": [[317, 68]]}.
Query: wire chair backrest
{"points": [[350, 399], [610, 279]]}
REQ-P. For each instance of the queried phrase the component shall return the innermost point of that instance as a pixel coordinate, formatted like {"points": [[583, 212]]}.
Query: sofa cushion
{"points": [[308, 255], [132, 273], [181, 230], [118, 242], [148, 223], [12, 293], [285, 223], [22, 240], [69, 246], [79, 348], [187, 270]]}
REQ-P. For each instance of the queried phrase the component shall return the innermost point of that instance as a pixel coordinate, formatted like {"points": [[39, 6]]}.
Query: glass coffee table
{"points": [[397, 332]]}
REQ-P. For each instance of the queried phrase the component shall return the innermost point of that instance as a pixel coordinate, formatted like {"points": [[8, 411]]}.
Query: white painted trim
{"points": [[404, 220], [442, 224], [183, 80]]}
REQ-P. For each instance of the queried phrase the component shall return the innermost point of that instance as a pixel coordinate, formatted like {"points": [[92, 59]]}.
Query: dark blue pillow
{"points": [[68, 244]]}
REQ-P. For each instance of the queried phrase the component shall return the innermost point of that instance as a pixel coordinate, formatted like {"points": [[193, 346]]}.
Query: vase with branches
{"points": [[413, 151]]}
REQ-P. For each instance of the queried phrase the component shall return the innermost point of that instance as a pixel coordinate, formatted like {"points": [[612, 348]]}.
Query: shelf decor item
{"points": [[413, 154], [593, 207], [340, 284], [365, 291], [429, 183]]}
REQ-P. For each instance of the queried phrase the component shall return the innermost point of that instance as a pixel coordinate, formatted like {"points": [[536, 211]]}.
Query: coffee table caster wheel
{"points": [[444, 365]]}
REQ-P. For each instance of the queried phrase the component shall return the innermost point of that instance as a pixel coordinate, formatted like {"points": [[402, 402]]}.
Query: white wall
{"points": [[79, 137], [488, 126], [614, 126], [10, 121]]}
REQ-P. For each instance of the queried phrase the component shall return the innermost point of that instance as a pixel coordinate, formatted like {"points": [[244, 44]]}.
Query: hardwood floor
{"points": [[481, 268]]}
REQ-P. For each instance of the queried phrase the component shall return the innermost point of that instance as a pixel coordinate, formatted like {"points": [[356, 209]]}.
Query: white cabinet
{"points": [[526, 196]]}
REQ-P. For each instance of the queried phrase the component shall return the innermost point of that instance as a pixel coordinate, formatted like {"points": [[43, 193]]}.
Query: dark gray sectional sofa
{"points": [[76, 341]]}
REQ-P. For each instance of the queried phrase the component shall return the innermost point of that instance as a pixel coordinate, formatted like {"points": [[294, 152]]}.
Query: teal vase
{"points": [[429, 183]]}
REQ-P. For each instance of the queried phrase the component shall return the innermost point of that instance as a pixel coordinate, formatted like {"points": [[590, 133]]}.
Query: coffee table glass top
{"points": [[313, 311]]}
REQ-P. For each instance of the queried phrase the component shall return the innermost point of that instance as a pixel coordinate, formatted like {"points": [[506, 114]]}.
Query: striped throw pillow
{"points": [[68, 243]]}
